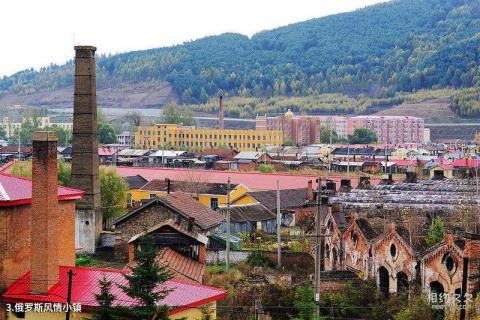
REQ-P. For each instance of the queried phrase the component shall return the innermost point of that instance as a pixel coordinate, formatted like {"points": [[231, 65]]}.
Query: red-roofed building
{"points": [[37, 248], [184, 299], [466, 167], [16, 191]]}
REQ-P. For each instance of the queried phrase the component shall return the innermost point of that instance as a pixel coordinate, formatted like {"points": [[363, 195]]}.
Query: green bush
{"points": [[266, 168], [84, 261], [258, 259]]}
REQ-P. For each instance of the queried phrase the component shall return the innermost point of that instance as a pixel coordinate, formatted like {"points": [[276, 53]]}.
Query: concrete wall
{"points": [[218, 257]]}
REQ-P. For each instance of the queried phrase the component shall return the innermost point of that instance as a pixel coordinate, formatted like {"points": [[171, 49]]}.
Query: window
{"points": [[393, 251], [214, 203]]}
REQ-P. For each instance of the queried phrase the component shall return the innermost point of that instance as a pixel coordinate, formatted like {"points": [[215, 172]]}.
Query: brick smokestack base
{"points": [[45, 213]]}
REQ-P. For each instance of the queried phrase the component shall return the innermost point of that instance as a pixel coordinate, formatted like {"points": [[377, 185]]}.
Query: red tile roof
{"points": [[85, 286], [18, 190], [182, 267], [252, 180], [186, 204], [407, 163], [466, 163]]}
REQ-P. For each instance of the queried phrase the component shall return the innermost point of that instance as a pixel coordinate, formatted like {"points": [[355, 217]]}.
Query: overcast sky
{"points": [[35, 33]]}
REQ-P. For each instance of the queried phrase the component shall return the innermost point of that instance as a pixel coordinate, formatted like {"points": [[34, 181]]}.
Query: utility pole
{"points": [[69, 293], [19, 144], [319, 235], [279, 222], [348, 159], [227, 258]]}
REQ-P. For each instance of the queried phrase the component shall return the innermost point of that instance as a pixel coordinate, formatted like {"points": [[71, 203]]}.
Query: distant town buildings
{"points": [[160, 136], [125, 139], [11, 127], [305, 130], [393, 129]]}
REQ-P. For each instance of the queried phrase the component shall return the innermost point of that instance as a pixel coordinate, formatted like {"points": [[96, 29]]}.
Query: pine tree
{"points": [[105, 300], [144, 281], [304, 302], [436, 232]]}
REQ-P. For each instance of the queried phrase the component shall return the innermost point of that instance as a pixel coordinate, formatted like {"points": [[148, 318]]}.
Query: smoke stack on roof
{"points": [[310, 190], [331, 185], [364, 183], [411, 176], [345, 185], [85, 161], [221, 122], [45, 213]]}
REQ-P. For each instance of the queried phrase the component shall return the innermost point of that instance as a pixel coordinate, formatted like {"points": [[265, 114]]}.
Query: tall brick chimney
{"points": [[85, 150], [221, 122], [45, 213]]}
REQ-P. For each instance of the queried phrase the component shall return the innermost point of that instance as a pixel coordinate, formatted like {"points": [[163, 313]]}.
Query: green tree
{"points": [[106, 134], [64, 136], [143, 283], [105, 299], [113, 194], [436, 232], [304, 302], [288, 143], [363, 136], [418, 308], [327, 133], [3, 134], [64, 171], [24, 169], [176, 114]]}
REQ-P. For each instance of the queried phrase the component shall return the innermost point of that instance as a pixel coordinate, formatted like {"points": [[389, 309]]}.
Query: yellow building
{"points": [[162, 136], [211, 195]]}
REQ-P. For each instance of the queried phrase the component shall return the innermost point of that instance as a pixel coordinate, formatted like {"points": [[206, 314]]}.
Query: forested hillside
{"points": [[403, 45]]}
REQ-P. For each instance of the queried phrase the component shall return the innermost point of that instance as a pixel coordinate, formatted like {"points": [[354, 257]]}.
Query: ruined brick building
{"points": [[379, 233]]}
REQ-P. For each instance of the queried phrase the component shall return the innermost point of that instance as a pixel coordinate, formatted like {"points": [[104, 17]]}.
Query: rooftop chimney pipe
{"points": [[221, 123]]}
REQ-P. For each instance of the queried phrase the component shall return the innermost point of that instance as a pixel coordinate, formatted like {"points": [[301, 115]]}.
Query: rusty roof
{"points": [[183, 267]]}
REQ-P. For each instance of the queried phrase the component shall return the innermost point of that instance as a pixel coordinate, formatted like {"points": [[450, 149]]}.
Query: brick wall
{"points": [[15, 239]]}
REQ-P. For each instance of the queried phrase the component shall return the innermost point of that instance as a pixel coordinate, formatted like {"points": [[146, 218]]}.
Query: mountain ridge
{"points": [[403, 45]]}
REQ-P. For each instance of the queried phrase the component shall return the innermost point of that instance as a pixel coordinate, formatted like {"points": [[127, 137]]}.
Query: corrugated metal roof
{"points": [[15, 189], [133, 152]]}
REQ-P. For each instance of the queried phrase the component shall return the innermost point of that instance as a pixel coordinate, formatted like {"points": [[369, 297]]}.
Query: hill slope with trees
{"points": [[399, 46]]}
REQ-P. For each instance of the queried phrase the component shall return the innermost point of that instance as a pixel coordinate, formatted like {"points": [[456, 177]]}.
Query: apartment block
{"points": [[305, 130], [393, 129]]}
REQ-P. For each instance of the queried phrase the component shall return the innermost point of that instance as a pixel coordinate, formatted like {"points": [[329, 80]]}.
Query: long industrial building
{"points": [[161, 136]]}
